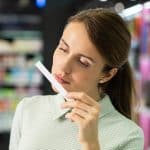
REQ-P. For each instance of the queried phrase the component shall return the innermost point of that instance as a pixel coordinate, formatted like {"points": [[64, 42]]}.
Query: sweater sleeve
{"points": [[16, 127], [135, 141]]}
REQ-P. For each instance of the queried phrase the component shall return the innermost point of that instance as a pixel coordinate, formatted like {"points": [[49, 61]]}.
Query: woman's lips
{"points": [[61, 80]]}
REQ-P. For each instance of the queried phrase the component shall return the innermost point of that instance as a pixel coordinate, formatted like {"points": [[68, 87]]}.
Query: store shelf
{"points": [[21, 46], [139, 26]]}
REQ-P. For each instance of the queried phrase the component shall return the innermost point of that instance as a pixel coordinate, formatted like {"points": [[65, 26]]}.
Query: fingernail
{"points": [[67, 115], [68, 96], [70, 100]]}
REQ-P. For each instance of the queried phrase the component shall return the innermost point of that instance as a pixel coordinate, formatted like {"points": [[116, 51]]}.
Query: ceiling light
{"points": [[132, 10], [119, 7], [147, 5], [103, 0], [40, 3]]}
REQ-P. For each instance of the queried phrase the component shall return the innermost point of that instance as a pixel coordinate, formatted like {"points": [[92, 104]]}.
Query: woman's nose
{"points": [[66, 66]]}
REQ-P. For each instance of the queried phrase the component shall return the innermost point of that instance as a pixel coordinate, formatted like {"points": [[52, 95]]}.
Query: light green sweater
{"points": [[39, 124]]}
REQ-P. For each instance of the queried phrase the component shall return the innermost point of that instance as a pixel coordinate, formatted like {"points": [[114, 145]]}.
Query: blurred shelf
{"points": [[18, 52], [10, 18], [5, 124], [21, 45]]}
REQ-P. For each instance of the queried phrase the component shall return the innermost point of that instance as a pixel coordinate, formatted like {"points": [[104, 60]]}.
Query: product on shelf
{"points": [[21, 46]]}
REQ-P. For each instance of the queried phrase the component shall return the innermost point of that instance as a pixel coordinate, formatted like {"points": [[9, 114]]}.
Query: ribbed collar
{"points": [[57, 112]]}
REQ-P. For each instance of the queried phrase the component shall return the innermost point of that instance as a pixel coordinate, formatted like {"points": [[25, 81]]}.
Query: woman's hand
{"points": [[85, 112]]}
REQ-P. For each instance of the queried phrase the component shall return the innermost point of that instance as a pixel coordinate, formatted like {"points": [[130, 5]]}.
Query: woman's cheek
{"points": [[56, 58], [80, 77]]}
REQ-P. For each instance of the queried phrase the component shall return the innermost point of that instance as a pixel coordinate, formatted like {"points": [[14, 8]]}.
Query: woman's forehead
{"points": [[75, 34]]}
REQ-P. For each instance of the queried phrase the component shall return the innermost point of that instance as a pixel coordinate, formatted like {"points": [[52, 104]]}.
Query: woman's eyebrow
{"points": [[64, 42]]}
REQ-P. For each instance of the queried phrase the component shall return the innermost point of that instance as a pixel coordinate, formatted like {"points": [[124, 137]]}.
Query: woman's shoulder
{"points": [[35, 101], [121, 131], [132, 133], [125, 125], [112, 118]]}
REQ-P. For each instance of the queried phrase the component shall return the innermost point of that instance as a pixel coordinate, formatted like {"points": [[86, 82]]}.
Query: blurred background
{"points": [[30, 31]]}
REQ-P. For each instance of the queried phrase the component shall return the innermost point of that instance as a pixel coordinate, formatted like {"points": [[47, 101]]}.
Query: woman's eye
{"points": [[62, 49], [85, 64]]}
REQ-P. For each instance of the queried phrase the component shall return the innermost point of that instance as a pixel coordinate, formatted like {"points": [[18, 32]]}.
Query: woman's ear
{"points": [[108, 76]]}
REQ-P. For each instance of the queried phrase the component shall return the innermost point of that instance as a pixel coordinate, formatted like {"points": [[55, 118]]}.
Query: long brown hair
{"points": [[110, 35]]}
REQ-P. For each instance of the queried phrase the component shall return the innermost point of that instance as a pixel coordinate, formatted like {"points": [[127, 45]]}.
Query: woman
{"points": [[91, 63]]}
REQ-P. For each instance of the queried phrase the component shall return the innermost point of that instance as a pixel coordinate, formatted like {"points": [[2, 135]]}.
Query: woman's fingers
{"points": [[79, 112], [81, 96], [76, 104], [84, 113], [75, 117], [83, 102]]}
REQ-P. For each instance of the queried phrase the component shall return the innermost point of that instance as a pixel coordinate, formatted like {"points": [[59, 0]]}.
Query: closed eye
{"points": [[84, 64], [62, 49], [84, 61]]}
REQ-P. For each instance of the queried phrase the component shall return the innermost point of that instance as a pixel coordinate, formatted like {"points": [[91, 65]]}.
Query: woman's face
{"points": [[77, 63]]}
